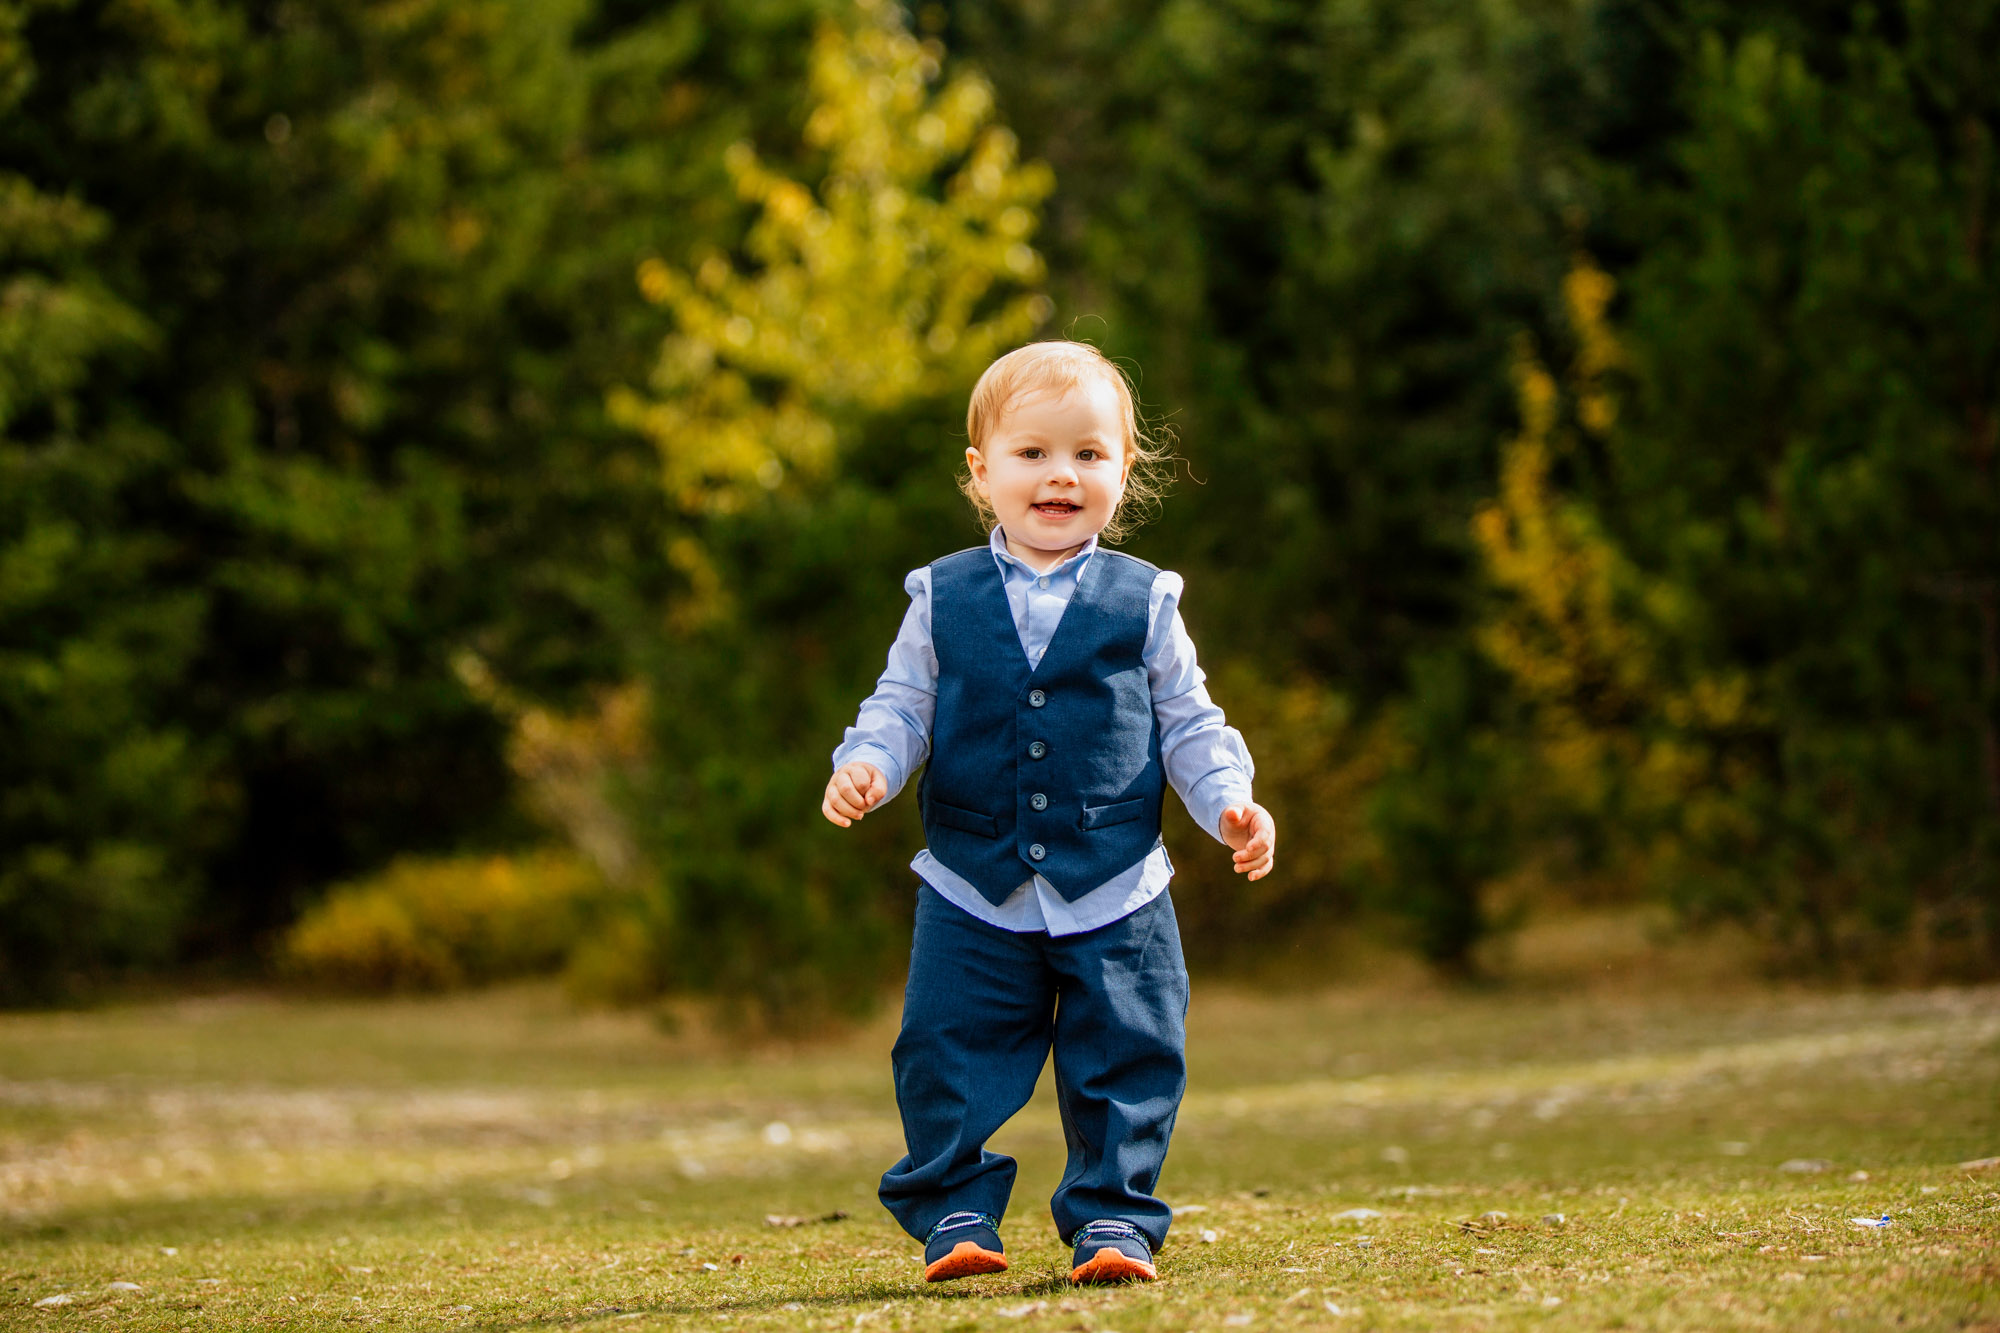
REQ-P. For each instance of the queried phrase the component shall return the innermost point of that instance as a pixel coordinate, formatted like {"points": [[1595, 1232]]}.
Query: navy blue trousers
{"points": [[982, 1009]]}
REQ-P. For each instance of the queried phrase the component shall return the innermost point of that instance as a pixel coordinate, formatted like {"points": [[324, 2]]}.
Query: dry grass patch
{"points": [[1346, 1160]]}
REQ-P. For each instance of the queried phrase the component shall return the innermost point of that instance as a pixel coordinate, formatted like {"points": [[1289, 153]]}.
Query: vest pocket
{"points": [[965, 821], [1102, 816]]}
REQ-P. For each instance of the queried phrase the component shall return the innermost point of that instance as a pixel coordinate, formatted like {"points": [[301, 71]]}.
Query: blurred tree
{"points": [[1441, 815], [330, 422], [384, 255], [799, 409], [1320, 228], [1809, 453], [1755, 614], [97, 789], [1609, 727], [1316, 227]]}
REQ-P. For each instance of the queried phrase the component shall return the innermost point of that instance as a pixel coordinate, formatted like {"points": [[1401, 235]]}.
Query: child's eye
{"points": [[1031, 453], [1087, 455]]}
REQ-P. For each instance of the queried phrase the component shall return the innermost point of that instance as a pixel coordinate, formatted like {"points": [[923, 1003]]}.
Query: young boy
{"points": [[1053, 689]]}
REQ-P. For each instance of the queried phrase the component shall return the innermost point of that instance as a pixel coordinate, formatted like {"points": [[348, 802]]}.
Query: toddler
{"points": [[1053, 688]]}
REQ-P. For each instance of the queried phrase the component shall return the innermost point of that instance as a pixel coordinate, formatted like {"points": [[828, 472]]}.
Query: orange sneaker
{"points": [[1108, 1250], [961, 1245]]}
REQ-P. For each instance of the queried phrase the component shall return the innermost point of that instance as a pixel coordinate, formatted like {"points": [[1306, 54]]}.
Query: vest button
{"points": [[1036, 698], [1036, 749], [1038, 801], [1036, 852]]}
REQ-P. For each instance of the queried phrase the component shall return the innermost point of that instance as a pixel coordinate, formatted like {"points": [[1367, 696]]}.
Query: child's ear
{"points": [[976, 461]]}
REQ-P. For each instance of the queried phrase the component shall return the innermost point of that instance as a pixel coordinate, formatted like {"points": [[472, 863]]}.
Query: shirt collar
{"points": [[998, 542]]}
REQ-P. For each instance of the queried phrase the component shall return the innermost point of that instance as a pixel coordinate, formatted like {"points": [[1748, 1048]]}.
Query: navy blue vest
{"points": [[1055, 770]]}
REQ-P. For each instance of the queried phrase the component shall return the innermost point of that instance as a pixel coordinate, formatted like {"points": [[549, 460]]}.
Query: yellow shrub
{"points": [[618, 963], [437, 923]]}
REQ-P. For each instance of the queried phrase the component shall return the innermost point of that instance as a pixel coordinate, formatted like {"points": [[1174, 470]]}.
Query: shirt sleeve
{"points": [[1206, 760], [893, 729]]}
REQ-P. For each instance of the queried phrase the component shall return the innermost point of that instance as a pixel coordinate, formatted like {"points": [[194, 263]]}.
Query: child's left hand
{"points": [[1250, 829]]}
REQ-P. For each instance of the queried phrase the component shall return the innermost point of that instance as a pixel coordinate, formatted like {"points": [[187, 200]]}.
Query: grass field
{"points": [[1359, 1159]]}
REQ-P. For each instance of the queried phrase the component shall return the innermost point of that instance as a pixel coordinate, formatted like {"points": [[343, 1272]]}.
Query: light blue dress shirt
{"points": [[1205, 758]]}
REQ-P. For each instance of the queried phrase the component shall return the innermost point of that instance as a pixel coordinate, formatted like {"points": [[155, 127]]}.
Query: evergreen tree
{"points": [[381, 255], [101, 789], [803, 409]]}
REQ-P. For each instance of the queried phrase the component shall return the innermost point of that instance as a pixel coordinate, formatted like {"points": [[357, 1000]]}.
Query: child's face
{"points": [[1054, 469]]}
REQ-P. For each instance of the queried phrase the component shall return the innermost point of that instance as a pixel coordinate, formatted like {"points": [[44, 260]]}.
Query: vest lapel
{"points": [[1084, 605], [996, 612]]}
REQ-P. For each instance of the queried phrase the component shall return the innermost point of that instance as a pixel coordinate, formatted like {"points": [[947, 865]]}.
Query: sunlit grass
{"points": [[500, 1161]]}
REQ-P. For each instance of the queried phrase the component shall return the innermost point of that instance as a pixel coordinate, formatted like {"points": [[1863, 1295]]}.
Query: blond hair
{"points": [[1056, 367]]}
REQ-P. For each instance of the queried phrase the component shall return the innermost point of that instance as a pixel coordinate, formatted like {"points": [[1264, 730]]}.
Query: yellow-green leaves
{"points": [[1562, 636], [1621, 725], [897, 276]]}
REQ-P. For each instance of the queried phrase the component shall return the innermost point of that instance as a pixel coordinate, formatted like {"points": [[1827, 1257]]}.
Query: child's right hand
{"points": [[855, 789]]}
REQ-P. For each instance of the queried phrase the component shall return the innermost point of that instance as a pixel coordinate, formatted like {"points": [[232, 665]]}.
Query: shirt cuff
{"points": [[1212, 795], [867, 752]]}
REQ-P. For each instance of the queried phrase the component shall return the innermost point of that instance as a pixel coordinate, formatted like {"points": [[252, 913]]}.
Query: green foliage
{"points": [[1809, 460], [442, 924], [340, 451], [1315, 229], [1759, 632], [97, 791], [863, 300], [310, 319], [1317, 762], [1774, 704], [1576, 629], [1442, 816]]}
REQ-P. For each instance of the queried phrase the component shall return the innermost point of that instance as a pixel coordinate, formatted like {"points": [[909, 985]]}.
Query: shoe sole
{"points": [[965, 1259], [1109, 1265]]}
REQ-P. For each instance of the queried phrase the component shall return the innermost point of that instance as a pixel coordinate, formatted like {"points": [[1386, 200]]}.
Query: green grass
{"points": [[502, 1162]]}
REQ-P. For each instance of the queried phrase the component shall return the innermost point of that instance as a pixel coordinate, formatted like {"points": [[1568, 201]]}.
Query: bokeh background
{"points": [[458, 459]]}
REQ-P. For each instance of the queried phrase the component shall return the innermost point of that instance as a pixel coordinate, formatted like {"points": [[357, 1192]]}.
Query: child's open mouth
{"points": [[1055, 508]]}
